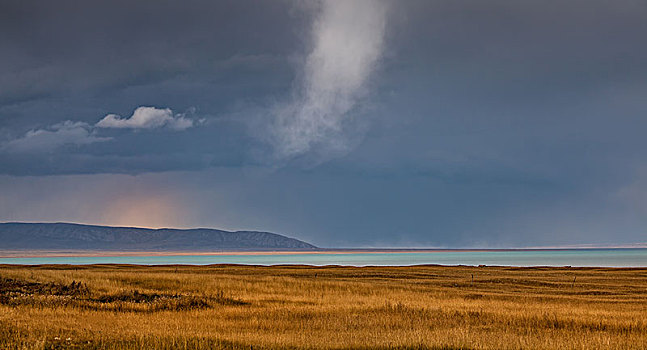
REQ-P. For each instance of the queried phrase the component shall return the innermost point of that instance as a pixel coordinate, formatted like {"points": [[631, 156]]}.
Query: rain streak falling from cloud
{"points": [[347, 42]]}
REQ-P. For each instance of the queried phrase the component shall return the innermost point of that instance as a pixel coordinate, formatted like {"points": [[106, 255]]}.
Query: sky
{"points": [[360, 123]]}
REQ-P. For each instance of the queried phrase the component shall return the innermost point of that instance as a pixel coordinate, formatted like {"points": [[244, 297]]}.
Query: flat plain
{"points": [[303, 307]]}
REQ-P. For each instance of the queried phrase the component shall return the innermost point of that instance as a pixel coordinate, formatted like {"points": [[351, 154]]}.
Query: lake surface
{"points": [[572, 257]]}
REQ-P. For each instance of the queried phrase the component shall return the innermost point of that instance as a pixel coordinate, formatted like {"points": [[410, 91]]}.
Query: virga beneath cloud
{"points": [[347, 43]]}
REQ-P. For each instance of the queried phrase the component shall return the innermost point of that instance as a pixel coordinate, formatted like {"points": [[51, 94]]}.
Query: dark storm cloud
{"points": [[70, 47], [462, 64], [479, 122], [78, 61]]}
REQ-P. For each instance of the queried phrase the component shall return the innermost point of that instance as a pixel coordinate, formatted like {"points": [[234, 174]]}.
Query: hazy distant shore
{"points": [[90, 253], [109, 253]]}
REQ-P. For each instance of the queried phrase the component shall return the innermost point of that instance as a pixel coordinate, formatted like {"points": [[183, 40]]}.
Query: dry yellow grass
{"points": [[243, 307]]}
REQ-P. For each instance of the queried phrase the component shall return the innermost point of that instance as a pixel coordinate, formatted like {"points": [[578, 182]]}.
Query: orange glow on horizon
{"points": [[142, 211]]}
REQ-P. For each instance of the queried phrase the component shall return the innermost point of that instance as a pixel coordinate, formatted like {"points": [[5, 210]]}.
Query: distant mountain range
{"points": [[65, 236]]}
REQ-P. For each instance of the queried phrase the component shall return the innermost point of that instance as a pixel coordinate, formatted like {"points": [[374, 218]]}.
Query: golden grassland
{"points": [[252, 307]]}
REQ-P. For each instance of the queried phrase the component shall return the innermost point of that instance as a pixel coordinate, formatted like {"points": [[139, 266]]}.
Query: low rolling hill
{"points": [[66, 236]]}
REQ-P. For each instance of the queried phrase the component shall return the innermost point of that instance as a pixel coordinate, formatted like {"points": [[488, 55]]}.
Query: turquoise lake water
{"points": [[572, 257]]}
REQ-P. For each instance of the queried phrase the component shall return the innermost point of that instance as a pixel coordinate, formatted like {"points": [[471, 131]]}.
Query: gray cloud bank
{"points": [[47, 140], [80, 133]]}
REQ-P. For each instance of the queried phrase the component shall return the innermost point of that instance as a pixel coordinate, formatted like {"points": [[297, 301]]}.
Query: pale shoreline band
{"points": [[93, 253]]}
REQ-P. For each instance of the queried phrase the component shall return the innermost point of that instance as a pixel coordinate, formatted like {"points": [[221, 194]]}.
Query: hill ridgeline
{"points": [[65, 236]]}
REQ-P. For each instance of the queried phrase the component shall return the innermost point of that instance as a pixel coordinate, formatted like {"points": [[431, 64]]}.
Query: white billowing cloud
{"points": [[42, 140], [147, 118], [348, 40], [80, 133]]}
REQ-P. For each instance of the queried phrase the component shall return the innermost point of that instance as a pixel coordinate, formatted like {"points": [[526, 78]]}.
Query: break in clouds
{"points": [[347, 42]]}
